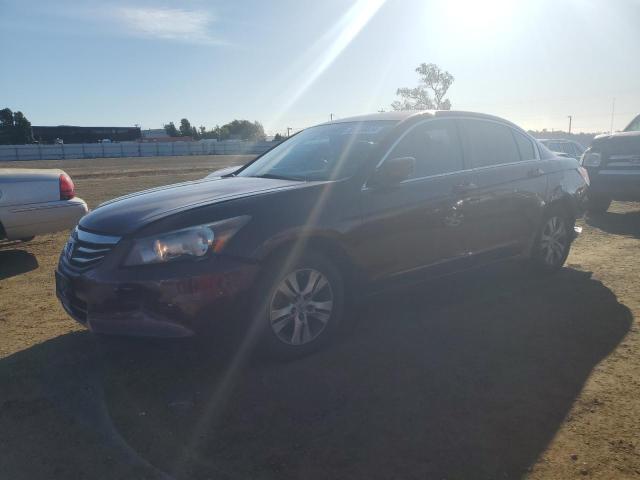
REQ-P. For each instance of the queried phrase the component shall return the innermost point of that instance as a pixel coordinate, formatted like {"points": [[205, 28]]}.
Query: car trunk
{"points": [[20, 186]]}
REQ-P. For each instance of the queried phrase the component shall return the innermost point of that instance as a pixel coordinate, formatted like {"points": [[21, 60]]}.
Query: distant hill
{"points": [[582, 138]]}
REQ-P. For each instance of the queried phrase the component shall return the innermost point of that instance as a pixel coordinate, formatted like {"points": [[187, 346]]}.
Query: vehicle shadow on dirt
{"points": [[466, 377], [618, 223], [16, 262]]}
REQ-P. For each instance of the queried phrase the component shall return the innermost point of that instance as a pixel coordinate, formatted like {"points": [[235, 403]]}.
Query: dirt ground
{"points": [[488, 375]]}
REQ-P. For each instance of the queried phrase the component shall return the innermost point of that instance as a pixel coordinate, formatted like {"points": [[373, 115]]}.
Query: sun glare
{"points": [[477, 20], [326, 50]]}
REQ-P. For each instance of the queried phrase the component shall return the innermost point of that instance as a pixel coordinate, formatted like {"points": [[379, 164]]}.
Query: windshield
{"points": [[325, 152]]}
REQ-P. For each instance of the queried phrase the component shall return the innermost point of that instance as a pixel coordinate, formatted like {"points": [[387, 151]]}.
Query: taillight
{"points": [[67, 188]]}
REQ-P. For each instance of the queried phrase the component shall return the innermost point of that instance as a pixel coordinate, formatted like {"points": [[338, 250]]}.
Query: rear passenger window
{"points": [[525, 146], [490, 143], [434, 145]]}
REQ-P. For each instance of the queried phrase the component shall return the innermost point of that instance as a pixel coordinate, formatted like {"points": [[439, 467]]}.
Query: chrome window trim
{"points": [[466, 170], [497, 165], [437, 175]]}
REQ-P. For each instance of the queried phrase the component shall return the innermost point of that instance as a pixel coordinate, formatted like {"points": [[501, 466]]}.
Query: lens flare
{"points": [[325, 51]]}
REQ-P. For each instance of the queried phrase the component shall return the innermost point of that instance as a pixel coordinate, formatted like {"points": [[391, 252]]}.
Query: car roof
{"points": [[402, 115]]}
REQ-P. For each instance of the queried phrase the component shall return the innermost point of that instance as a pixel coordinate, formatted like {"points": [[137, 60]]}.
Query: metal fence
{"points": [[110, 150]]}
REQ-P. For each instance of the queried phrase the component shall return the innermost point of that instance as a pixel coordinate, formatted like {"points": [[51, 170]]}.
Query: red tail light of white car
{"points": [[37, 201]]}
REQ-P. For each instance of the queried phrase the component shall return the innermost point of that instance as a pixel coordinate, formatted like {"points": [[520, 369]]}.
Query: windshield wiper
{"points": [[281, 177]]}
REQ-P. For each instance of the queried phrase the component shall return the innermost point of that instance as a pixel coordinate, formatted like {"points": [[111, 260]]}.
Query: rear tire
{"points": [[598, 204], [553, 241], [298, 305]]}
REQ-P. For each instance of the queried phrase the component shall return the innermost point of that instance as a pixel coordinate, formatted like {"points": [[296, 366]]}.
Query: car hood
{"points": [[619, 143], [127, 214]]}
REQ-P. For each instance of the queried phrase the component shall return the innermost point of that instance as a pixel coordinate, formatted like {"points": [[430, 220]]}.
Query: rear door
{"points": [[511, 186], [421, 221]]}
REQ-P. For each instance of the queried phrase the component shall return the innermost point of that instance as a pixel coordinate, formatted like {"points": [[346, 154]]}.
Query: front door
{"points": [[421, 221]]}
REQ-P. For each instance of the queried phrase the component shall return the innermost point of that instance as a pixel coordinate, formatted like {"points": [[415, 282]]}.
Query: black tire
{"points": [[598, 204], [542, 259], [269, 298]]}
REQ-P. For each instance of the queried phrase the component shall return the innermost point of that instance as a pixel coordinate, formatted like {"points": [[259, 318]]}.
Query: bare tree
{"points": [[434, 84]]}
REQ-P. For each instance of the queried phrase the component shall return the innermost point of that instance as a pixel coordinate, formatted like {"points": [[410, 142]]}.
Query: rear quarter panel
{"points": [[565, 184], [24, 192]]}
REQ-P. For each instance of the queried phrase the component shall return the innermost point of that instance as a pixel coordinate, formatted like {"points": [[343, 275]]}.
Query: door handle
{"points": [[464, 187], [535, 172]]}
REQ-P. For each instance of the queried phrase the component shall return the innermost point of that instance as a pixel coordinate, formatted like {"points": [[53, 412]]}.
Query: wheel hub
{"points": [[301, 306]]}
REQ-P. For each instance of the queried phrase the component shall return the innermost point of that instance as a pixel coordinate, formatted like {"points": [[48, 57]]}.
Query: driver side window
{"points": [[435, 146]]}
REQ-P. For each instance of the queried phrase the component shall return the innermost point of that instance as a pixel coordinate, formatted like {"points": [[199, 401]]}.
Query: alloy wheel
{"points": [[301, 306], [553, 241]]}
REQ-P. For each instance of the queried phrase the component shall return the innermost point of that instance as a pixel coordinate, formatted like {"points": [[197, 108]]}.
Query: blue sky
{"points": [[292, 63]]}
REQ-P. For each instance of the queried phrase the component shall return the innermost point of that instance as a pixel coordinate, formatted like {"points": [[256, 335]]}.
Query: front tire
{"points": [[553, 241], [299, 304]]}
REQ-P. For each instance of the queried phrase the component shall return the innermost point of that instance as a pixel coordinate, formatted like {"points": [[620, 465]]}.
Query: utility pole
{"points": [[613, 109], [331, 117], [570, 118], [289, 131]]}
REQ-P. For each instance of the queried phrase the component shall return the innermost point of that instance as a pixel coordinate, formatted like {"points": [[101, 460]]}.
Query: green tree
{"points": [[22, 129], [171, 129], [6, 126], [430, 94], [237, 130], [15, 129], [185, 128], [242, 130], [278, 138], [210, 134], [222, 133]]}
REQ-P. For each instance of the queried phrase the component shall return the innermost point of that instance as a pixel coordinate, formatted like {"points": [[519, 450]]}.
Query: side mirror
{"points": [[393, 171]]}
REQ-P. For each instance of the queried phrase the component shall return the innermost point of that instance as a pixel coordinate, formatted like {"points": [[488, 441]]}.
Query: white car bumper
{"points": [[24, 221]]}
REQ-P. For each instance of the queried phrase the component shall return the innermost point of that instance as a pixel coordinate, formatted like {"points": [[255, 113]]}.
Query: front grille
{"points": [[85, 249], [623, 161]]}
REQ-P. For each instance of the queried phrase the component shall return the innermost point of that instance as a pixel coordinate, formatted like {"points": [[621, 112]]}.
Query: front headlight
{"points": [[187, 243], [591, 159]]}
